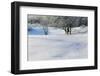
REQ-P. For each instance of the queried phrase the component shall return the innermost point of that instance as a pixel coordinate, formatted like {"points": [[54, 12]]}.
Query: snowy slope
{"points": [[57, 45], [81, 30], [55, 31]]}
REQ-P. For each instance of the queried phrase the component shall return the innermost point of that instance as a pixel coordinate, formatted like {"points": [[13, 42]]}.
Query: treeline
{"points": [[57, 21], [64, 22]]}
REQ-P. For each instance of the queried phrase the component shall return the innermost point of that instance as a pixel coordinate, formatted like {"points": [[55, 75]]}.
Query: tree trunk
{"points": [[65, 30], [45, 30]]}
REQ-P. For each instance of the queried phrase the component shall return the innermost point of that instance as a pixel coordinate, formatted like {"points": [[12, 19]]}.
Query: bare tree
{"points": [[44, 24]]}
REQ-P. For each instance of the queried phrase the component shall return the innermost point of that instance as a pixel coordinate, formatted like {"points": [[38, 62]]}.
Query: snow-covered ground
{"points": [[58, 45]]}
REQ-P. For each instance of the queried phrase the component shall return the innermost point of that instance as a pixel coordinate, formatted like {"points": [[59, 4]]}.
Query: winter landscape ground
{"points": [[57, 44]]}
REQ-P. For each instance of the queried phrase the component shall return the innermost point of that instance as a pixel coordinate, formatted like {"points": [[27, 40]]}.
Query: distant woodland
{"points": [[63, 22]]}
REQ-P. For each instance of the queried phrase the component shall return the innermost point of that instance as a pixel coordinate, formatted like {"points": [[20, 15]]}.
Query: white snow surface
{"points": [[58, 45]]}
